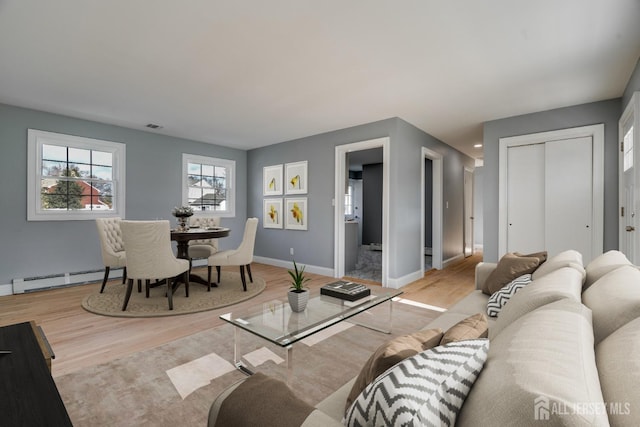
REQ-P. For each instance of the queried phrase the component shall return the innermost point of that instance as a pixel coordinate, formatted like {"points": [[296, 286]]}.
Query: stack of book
{"points": [[345, 290]]}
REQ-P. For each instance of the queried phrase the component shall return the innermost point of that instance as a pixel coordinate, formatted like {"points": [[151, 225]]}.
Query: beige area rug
{"points": [[175, 384], [229, 291]]}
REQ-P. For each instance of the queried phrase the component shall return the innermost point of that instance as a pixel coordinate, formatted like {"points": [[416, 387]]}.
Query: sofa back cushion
{"points": [[543, 359], [569, 258], [618, 360], [602, 265], [614, 300], [565, 282]]}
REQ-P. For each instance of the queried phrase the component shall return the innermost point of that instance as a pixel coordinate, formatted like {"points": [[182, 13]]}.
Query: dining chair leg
{"points": [[104, 280], [124, 275], [185, 276], [170, 292], [147, 287], [249, 271], [139, 286], [128, 294], [244, 280], [218, 270]]}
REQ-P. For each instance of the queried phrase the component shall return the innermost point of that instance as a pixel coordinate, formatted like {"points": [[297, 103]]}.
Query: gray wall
{"points": [[607, 112], [371, 215], [153, 174], [315, 246]]}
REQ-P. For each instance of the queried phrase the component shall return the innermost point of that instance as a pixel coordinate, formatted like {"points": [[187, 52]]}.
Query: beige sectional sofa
{"points": [[564, 350]]}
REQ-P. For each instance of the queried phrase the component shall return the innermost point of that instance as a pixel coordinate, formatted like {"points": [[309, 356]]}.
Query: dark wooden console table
{"points": [[29, 394]]}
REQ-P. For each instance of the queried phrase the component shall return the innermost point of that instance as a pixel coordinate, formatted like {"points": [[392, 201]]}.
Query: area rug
{"points": [[229, 291], [175, 384]]}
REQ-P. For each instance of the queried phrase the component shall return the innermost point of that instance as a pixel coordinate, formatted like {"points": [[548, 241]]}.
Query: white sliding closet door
{"points": [[568, 196], [525, 195]]}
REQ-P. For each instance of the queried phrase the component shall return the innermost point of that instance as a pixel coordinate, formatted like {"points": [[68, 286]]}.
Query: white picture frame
{"points": [[296, 178], [296, 213], [272, 180], [272, 213]]}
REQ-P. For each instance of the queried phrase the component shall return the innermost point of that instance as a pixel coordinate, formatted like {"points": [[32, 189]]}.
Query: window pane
{"points": [[193, 169], [221, 172], [207, 170], [53, 168], [628, 149], [54, 152], [102, 172], [102, 158], [81, 170], [79, 155]]}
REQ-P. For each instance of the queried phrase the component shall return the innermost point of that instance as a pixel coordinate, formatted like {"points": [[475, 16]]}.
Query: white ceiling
{"points": [[252, 73]]}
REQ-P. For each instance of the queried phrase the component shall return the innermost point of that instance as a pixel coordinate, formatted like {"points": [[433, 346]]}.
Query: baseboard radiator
{"points": [[38, 283]]}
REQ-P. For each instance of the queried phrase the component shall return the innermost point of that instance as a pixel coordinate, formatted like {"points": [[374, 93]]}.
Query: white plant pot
{"points": [[298, 300]]}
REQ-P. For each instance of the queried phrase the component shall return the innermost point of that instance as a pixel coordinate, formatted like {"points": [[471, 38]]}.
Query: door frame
{"points": [[436, 215], [341, 176], [467, 222], [596, 132], [631, 112]]}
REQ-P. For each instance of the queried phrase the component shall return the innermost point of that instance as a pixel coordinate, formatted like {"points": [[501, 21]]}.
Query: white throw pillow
{"points": [[501, 297], [426, 389]]}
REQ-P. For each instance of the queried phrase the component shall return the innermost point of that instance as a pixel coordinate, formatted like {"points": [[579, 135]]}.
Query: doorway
{"points": [[468, 212], [343, 153], [431, 178], [629, 132]]}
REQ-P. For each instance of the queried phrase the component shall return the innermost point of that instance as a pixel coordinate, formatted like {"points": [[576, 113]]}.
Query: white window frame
{"points": [[35, 140], [230, 165]]}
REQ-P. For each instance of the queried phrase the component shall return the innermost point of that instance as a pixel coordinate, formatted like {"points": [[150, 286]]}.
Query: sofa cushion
{"points": [[568, 258], [264, 395], [602, 265], [391, 353], [542, 256], [565, 282], [509, 267], [618, 360], [501, 297], [545, 358], [614, 300], [467, 329], [426, 389]]}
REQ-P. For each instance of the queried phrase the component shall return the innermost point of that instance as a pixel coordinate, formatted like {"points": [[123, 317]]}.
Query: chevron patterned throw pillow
{"points": [[501, 297], [423, 390]]}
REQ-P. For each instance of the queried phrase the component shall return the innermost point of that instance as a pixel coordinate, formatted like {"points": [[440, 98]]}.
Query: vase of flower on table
{"points": [[182, 213]]}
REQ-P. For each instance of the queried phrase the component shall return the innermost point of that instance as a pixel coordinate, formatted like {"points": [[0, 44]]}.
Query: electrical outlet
{"points": [[291, 251]]}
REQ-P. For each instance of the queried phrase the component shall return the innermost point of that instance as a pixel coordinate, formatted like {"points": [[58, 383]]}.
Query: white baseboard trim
{"points": [[289, 265], [451, 260], [404, 280]]}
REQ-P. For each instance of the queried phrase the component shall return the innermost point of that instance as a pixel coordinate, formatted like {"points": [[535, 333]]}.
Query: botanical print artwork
{"points": [[296, 178], [296, 211], [272, 217], [272, 180]]}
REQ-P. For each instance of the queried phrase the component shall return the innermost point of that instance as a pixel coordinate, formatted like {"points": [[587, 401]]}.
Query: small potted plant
{"points": [[298, 295]]}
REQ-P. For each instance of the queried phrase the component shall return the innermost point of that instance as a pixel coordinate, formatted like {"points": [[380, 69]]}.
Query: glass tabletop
{"points": [[275, 322]]}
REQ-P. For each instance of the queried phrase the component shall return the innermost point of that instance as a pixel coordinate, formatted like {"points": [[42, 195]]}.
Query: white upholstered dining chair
{"points": [[112, 247], [203, 248], [150, 256], [242, 256]]}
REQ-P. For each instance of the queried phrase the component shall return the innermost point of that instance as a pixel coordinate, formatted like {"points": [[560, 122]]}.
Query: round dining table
{"points": [[182, 238]]}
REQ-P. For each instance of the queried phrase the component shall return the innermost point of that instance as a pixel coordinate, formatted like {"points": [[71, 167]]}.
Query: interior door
{"points": [[568, 196], [525, 198], [628, 205], [468, 212]]}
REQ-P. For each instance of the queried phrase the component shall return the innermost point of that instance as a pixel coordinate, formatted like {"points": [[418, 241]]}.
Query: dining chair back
{"points": [[203, 248], [112, 247], [150, 256], [242, 256]]}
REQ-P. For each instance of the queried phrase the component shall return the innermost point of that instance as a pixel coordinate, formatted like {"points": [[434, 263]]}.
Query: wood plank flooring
{"points": [[80, 339]]}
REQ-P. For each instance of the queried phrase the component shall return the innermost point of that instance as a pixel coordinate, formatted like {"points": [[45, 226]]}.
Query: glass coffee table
{"points": [[275, 322]]}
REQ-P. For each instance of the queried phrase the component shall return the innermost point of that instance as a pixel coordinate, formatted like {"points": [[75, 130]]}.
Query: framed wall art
{"points": [[272, 180], [272, 213], [296, 178], [296, 213]]}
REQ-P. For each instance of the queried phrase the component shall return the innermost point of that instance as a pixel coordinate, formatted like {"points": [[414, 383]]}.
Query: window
{"points": [[74, 178], [208, 185], [348, 200], [628, 149]]}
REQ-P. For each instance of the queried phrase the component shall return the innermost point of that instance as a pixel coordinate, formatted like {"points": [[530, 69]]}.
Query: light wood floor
{"points": [[81, 339]]}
